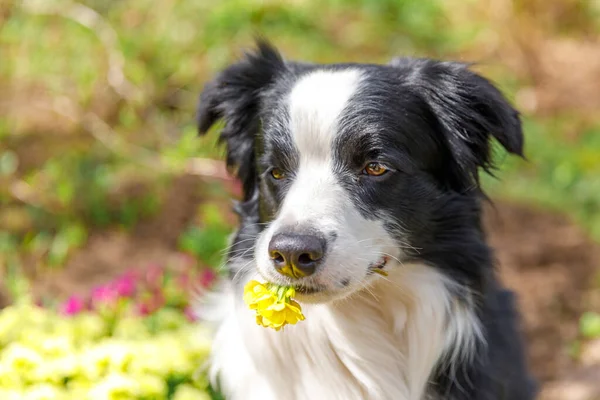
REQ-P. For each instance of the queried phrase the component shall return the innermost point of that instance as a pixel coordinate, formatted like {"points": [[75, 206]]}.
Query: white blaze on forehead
{"points": [[315, 105]]}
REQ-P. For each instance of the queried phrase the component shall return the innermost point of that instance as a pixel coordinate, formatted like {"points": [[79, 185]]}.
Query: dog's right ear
{"points": [[235, 96]]}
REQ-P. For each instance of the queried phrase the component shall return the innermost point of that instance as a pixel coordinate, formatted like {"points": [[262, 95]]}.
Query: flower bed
{"points": [[133, 338]]}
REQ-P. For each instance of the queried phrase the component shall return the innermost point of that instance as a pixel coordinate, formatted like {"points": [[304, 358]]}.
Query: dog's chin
{"points": [[312, 293]]}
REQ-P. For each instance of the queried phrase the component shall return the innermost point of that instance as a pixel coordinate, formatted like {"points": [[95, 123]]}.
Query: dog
{"points": [[351, 172]]}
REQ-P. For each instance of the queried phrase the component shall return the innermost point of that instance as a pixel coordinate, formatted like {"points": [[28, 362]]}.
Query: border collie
{"points": [[349, 169]]}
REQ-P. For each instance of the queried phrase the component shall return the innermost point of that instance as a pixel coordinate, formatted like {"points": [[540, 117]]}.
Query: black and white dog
{"points": [[348, 169]]}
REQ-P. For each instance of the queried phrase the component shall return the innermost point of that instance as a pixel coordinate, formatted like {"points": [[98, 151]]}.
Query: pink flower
{"points": [[104, 295], [125, 286], [74, 305], [207, 277]]}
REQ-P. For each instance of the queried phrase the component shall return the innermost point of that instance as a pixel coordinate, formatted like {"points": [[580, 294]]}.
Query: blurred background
{"points": [[113, 212]]}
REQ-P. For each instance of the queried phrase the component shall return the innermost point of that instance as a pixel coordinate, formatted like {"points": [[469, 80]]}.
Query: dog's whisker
{"points": [[365, 286], [398, 245], [241, 252], [242, 269], [362, 284], [405, 245], [364, 240], [237, 242], [249, 225]]}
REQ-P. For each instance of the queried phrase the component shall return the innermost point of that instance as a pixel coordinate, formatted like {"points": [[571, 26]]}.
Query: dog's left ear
{"points": [[469, 109], [235, 96]]}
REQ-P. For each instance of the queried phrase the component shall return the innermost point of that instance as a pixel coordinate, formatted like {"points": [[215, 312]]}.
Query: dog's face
{"points": [[350, 164]]}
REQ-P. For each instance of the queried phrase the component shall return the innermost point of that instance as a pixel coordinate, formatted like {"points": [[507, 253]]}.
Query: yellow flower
{"points": [[79, 388], [164, 355], [11, 394], [21, 359], [44, 392], [114, 387], [273, 304], [87, 327], [56, 370], [10, 378], [258, 296], [131, 328], [10, 322], [49, 345], [44, 356], [196, 342], [188, 392], [151, 386]]}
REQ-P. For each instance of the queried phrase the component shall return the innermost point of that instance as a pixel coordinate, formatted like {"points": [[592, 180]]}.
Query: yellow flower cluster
{"points": [[273, 304], [46, 356]]}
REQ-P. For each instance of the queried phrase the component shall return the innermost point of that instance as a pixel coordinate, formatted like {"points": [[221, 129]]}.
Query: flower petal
{"points": [[273, 304]]}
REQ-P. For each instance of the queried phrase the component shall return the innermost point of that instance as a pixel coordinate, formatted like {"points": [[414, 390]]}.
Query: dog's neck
{"points": [[388, 338]]}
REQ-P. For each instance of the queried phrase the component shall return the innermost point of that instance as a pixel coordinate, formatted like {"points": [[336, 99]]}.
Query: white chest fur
{"points": [[381, 343]]}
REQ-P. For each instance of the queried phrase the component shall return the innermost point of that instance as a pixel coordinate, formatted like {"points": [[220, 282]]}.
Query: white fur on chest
{"points": [[381, 343]]}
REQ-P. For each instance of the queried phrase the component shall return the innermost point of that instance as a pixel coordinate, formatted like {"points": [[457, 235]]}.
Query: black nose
{"points": [[296, 255]]}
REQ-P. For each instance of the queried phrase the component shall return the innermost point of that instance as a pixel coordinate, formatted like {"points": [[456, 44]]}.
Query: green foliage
{"points": [[208, 241], [589, 325], [558, 173], [8, 163]]}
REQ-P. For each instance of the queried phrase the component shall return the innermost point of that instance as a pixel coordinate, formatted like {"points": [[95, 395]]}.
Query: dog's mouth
{"points": [[374, 268], [308, 290], [379, 267]]}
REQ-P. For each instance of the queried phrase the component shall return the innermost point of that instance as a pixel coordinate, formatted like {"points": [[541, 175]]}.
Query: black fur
{"points": [[433, 123], [235, 97]]}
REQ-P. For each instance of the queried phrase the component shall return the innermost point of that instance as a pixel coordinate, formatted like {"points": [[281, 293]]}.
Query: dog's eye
{"points": [[374, 169], [276, 173]]}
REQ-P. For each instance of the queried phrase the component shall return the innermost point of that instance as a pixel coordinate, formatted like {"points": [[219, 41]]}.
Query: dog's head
{"points": [[351, 163]]}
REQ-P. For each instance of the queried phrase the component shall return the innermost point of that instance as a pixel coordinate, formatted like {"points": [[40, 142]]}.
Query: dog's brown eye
{"points": [[276, 173], [375, 169]]}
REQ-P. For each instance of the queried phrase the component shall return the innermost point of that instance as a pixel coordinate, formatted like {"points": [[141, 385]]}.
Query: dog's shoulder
{"points": [[499, 371]]}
